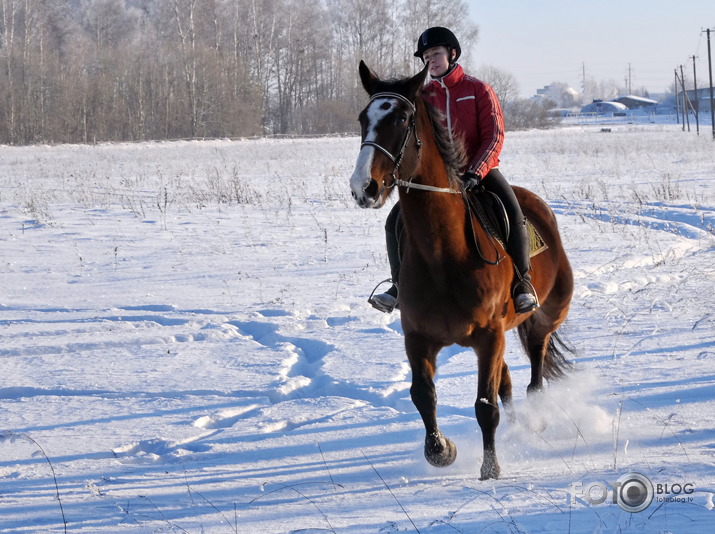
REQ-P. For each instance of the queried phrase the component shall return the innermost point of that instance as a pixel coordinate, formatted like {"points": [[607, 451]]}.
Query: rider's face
{"points": [[437, 58]]}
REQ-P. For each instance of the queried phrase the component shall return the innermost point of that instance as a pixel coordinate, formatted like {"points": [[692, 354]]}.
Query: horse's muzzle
{"points": [[371, 195]]}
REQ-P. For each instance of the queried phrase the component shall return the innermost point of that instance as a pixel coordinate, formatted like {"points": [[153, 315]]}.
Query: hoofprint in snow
{"points": [[186, 345]]}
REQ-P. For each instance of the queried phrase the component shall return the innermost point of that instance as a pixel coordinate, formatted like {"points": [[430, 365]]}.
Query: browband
{"points": [[398, 96]]}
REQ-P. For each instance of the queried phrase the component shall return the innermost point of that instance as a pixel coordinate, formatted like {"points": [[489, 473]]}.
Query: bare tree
{"points": [[418, 15], [94, 70], [525, 113], [108, 21], [504, 83], [10, 21]]}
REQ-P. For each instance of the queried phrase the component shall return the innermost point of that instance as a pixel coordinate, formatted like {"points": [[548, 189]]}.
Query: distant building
{"points": [[599, 106], [636, 102], [702, 98], [559, 93]]}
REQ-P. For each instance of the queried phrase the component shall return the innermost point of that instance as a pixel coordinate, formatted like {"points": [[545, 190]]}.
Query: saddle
{"points": [[492, 216]]}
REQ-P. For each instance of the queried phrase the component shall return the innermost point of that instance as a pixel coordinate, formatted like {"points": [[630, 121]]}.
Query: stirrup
{"points": [[531, 291], [377, 302]]}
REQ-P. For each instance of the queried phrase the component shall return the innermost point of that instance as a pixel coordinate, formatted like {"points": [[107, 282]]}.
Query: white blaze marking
{"points": [[375, 113], [361, 175]]}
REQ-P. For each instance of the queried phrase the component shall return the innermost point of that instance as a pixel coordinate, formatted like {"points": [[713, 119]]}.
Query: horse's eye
{"points": [[400, 120]]}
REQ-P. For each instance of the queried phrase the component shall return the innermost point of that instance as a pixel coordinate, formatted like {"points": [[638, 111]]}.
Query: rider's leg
{"points": [[387, 301], [518, 245]]}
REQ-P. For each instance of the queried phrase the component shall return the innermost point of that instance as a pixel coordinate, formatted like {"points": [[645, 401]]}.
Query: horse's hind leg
{"points": [[490, 353], [538, 336], [535, 345], [439, 451]]}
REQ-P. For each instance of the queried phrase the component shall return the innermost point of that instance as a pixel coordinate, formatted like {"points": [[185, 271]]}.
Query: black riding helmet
{"points": [[437, 36]]}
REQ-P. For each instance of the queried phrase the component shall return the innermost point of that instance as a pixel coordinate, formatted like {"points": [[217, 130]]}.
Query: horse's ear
{"points": [[369, 79], [417, 82]]}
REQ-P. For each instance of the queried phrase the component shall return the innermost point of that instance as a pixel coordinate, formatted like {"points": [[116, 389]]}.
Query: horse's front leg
{"points": [[422, 354], [490, 353], [505, 393]]}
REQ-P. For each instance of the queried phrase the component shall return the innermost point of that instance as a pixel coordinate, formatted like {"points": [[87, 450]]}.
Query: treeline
{"points": [[130, 70]]}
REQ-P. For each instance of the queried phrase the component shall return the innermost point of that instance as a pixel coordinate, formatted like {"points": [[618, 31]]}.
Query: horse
{"points": [[449, 293]]}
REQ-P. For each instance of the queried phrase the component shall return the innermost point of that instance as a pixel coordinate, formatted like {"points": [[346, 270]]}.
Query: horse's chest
{"points": [[449, 311]]}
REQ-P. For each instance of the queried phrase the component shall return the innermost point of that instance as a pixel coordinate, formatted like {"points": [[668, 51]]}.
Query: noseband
{"points": [[396, 159]]}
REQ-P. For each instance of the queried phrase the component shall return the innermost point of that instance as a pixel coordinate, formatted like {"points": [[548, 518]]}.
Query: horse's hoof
{"points": [[440, 451], [534, 389], [490, 467], [535, 421]]}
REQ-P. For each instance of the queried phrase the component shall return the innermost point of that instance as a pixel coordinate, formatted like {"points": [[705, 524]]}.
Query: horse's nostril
{"points": [[371, 189]]}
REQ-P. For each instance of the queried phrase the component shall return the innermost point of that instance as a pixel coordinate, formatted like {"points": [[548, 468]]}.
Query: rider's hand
{"points": [[471, 181]]}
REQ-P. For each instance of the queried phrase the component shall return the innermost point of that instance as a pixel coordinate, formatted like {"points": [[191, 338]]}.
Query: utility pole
{"points": [[677, 99], [583, 80], [697, 100], [710, 69], [686, 116]]}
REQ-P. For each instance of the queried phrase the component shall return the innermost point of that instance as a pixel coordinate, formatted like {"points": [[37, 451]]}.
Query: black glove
{"points": [[472, 182]]}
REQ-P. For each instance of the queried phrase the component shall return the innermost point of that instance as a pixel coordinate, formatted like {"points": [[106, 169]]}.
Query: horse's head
{"points": [[389, 140]]}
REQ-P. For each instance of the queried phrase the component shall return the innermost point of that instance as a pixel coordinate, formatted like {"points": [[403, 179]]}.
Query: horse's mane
{"points": [[452, 152]]}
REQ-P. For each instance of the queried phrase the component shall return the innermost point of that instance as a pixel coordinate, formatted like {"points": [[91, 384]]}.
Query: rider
{"points": [[474, 115]]}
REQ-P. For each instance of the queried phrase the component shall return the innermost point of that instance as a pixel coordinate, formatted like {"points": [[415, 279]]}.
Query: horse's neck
{"points": [[435, 220]]}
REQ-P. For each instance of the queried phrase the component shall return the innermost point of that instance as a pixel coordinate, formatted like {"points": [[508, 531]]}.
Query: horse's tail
{"points": [[556, 363]]}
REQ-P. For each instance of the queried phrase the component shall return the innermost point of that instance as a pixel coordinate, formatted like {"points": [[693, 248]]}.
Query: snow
{"points": [[187, 347]]}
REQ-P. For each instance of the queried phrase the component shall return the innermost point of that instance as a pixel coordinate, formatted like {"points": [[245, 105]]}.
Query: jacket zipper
{"points": [[449, 111]]}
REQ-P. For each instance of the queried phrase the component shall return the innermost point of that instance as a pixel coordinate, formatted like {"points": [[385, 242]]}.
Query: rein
{"points": [[478, 212], [411, 185]]}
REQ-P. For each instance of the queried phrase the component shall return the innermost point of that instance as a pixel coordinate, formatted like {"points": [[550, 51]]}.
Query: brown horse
{"points": [[449, 293]]}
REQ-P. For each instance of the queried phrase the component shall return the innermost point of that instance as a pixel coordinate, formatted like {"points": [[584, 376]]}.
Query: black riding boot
{"points": [[388, 301], [523, 291]]}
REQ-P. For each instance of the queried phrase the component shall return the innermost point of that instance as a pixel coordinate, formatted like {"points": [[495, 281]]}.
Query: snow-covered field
{"points": [[186, 345]]}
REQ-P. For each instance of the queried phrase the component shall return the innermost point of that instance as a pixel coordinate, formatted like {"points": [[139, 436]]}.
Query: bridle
{"points": [[397, 159]]}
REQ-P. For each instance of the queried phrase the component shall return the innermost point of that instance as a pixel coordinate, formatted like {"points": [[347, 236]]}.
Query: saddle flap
{"points": [[492, 216]]}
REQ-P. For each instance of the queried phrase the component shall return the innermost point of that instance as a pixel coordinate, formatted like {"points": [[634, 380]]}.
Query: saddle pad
{"points": [[536, 242], [488, 218]]}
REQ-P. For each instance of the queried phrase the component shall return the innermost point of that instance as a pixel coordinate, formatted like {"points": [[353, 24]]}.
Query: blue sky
{"points": [[541, 41]]}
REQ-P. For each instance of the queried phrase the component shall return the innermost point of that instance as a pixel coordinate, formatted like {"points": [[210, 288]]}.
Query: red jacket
{"points": [[473, 114]]}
